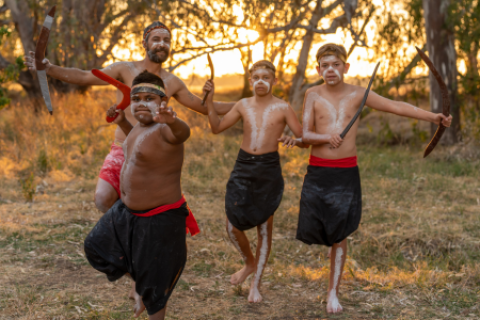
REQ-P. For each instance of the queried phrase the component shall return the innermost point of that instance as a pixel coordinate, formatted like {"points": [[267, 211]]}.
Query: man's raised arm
{"points": [[72, 75], [191, 101]]}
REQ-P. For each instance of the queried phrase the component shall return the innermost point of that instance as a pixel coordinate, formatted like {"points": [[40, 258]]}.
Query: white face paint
{"points": [[332, 297], [151, 105], [160, 44], [330, 59], [162, 33], [265, 83]]}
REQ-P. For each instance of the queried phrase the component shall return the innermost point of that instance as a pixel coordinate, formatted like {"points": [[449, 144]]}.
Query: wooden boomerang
{"points": [[120, 86], [446, 102], [212, 72], [40, 55]]}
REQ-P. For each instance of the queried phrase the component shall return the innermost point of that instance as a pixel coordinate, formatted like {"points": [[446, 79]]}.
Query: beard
{"points": [[152, 55]]}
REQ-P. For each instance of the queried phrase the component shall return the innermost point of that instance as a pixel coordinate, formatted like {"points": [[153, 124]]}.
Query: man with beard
{"points": [[156, 41]]}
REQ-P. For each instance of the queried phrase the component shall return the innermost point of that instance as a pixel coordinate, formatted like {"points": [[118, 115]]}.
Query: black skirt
{"points": [[330, 205], [152, 250], [254, 190]]}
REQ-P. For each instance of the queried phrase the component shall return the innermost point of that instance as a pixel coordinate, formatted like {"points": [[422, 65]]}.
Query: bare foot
{"points": [[254, 295], [329, 252], [138, 307], [241, 275], [333, 306]]}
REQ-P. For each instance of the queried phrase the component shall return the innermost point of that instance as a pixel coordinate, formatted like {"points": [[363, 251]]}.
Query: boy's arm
{"points": [[73, 75], [175, 131], [400, 108], [296, 127], [191, 101], [120, 120], [309, 134], [216, 124]]}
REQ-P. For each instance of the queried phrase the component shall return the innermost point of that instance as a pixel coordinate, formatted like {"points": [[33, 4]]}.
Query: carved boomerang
{"points": [[446, 102], [355, 117], [120, 86], [212, 73], [40, 55]]}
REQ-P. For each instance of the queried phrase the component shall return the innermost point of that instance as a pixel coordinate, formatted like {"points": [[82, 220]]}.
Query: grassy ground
{"points": [[415, 256]]}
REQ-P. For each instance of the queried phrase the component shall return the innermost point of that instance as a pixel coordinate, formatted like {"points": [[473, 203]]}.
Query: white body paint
{"points": [[261, 262], [337, 117], [133, 157], [262, 82], [161, 44], [151, 105], [258, 133], [332, 297], [234, 240]]}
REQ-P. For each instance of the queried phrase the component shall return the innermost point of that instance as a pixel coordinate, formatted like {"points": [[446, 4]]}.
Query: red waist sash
{"points": [[191, 223], [333, 163]]}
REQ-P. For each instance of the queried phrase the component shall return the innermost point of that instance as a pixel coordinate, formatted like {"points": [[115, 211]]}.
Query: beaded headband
{"points": [[333, 53], [148, 88], [156, 27]]}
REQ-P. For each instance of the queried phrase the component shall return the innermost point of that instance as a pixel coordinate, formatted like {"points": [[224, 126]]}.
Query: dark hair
{"points": [[155, 25], [148, 77], [337, 50], [263, 64]]}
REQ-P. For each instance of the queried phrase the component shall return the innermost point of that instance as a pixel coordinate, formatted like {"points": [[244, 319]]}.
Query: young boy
{"points": [[147, 244], [331, 200], [255, 187]]}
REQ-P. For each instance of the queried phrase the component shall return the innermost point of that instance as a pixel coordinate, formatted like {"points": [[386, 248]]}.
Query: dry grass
{"points": [[416, 254]]}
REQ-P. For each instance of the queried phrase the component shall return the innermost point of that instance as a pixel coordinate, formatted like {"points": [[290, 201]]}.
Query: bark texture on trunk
{"points": [[441, 48]]}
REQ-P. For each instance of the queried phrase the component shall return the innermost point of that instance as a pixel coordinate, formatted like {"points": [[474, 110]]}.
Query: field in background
{"points": [[416, 254]]}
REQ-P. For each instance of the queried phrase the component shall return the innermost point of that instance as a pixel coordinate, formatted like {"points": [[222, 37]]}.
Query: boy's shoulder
{"points": [[279, 104]]}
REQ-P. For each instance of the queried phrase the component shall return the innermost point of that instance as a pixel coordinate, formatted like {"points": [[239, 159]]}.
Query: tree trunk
{"points": [[296, 94], [441, 48], [246, 61]]}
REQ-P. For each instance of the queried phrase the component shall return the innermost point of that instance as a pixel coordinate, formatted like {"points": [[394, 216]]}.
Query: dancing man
{"points": [[156, 41], [255, 187]]}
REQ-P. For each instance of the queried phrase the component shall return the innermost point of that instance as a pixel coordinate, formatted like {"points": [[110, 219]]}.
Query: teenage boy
{"points": [[255, 187], [331, 200]]}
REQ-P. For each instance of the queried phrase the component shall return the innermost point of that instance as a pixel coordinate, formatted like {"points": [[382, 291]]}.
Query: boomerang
{"points": [[40, 56], [355, 117], [446, 102], [120, 86], [212, 73]]}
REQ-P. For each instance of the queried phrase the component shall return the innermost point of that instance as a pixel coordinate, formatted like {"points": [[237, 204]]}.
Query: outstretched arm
{"points": [[73, 75], [175, 130], [216, 124], [191, 101], [309, 134], [400, 108]]}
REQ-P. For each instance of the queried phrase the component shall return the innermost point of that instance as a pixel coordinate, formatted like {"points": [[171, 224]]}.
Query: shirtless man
{"points": [[156, 41], [147, 244], [331, 200], [255, 187]]}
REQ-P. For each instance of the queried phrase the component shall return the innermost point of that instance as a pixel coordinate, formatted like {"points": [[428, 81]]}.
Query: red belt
{"points": [[191, 223], [333, 163]]}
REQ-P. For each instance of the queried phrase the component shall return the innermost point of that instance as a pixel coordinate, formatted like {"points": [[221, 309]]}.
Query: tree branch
{"points": [[117, 34], [3, 8], [338, 22]]}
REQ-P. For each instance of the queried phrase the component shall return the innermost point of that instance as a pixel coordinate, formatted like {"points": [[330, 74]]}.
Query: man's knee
{"points": [[104, 199]]}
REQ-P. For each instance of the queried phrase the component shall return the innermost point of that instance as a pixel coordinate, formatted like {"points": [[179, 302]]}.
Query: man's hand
{"points": [[30, 62], [113, 111], [209, 88], [335, 141], [440, 118], [165, 114], [289, 142]]}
